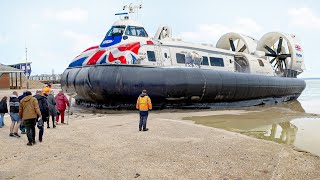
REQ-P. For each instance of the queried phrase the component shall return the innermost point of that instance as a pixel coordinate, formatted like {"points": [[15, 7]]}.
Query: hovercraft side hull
{"points": [[120, 85]]}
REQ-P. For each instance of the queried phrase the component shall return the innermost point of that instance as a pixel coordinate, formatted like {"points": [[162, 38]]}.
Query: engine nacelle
{"points": [[245, 43], [292, 46], [163, 32]]}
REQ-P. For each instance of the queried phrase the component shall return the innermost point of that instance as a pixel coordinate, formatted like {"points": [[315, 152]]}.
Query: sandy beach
{"points": [[109, 146]]}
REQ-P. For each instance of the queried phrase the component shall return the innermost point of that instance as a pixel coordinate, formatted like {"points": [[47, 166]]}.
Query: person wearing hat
{"points": [[144, 105]]}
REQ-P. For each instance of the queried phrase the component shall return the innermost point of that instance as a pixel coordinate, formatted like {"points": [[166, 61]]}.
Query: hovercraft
{"points": [[239, 71]]}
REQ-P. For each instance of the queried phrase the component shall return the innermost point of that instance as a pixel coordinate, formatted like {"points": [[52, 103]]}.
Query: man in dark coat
{"points": [[43, 105]]}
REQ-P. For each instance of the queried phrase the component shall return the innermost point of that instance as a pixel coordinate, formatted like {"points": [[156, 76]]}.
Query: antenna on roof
{"points": [[132, 10]]}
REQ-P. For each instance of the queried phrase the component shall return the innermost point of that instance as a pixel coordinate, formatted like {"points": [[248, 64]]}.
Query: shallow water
{"points": [[294, 123]]}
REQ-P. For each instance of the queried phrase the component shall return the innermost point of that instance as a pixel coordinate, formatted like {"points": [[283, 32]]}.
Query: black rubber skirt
{"points": [[118, 86]]}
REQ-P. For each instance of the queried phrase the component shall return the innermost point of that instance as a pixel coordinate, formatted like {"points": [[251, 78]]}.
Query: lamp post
{"points": [[26, 68]]}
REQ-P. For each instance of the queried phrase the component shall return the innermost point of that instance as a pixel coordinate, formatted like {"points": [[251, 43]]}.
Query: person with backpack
{"points": [[3, 110], [29, 111], [14, 114], [44, 109]]}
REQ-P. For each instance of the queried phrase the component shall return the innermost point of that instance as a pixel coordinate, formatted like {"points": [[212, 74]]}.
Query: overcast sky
{"points": [[57, 31]]}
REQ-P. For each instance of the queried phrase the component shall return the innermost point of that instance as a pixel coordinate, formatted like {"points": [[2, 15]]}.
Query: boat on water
{"points": [[238, 71]]}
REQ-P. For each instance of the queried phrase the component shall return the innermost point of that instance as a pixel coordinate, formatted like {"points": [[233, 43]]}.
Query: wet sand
{"points": [[108, 146]]}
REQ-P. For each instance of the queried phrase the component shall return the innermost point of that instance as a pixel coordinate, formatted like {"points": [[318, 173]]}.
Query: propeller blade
{"points": [[269, 49], [286, 55], [273, 60], [271, 55], [285, 64], [244, 47], [233, 48], [279, 45]]}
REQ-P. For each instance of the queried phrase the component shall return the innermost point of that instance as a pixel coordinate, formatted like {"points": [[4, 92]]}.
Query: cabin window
{"points": [[205, 61], [216, 61], [181, 58], [151, 56], [136, 31], [116, 31], [261, 63]]}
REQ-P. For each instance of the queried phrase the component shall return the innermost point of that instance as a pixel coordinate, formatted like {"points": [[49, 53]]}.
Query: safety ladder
{"points": [[158, 54]]}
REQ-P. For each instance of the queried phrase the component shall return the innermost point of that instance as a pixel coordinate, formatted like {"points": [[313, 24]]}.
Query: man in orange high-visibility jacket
{"points": [[144, 105]]}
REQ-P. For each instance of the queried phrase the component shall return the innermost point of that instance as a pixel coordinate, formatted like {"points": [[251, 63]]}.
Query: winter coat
{"points": [[29, 108], [14, 103], [3, 107], [22, 96], [52, 105], [43, 105], [144, 103], [62, 102]]}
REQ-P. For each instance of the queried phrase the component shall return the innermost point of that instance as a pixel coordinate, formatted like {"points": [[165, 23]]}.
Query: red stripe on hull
{"points": [[96, 57]]}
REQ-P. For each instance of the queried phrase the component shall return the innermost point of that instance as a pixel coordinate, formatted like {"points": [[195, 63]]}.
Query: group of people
{"points": [[27, 111]]}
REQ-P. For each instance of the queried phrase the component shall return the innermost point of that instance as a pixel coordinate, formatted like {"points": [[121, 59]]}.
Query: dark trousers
{"points": [[31, 130], [143, 120], [53, 119], [41, 131]]}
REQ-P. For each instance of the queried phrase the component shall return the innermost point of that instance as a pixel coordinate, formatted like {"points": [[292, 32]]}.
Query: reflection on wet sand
{"points": [[271, 123], [288, 133]]}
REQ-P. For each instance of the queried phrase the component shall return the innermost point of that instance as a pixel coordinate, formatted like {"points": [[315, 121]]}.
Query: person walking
{"points": [[28, 112], [3, 110], [22, 125], [62, 103], [44, 109], [14, 114], [144, 105], [52, 108]]}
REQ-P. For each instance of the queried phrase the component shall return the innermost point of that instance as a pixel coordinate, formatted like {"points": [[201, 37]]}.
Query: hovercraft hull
{"points": [[118, 86]]}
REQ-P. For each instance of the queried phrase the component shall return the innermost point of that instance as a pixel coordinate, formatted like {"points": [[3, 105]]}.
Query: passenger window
{"points": [[216, 61], [261, 63], [151, 56], [205, 61], [181, 58]]}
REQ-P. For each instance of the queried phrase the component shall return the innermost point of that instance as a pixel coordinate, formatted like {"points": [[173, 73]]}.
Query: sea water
{"points": [[295, 123]]}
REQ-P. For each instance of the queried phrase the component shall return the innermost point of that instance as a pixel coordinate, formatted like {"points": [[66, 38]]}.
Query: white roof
{"points": [[127, 22]]}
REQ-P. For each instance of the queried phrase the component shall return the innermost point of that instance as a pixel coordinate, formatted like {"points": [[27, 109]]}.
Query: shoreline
{"points": [[98, 145]]}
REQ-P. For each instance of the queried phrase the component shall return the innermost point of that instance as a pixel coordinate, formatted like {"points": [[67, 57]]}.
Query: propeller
{"points": [[278, 56], [244, 47], [233, 48]]}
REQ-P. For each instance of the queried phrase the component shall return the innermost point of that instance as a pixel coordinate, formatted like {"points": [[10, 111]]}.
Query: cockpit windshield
{"points": [[116, 31], [136, 31]]}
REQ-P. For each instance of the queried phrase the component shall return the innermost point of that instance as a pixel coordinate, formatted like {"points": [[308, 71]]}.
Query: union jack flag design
{"points": [[123, 54], [297, 47]]}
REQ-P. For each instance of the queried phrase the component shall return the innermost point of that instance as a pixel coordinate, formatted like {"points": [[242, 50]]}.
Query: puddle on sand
{"points": [[286, 124]]}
